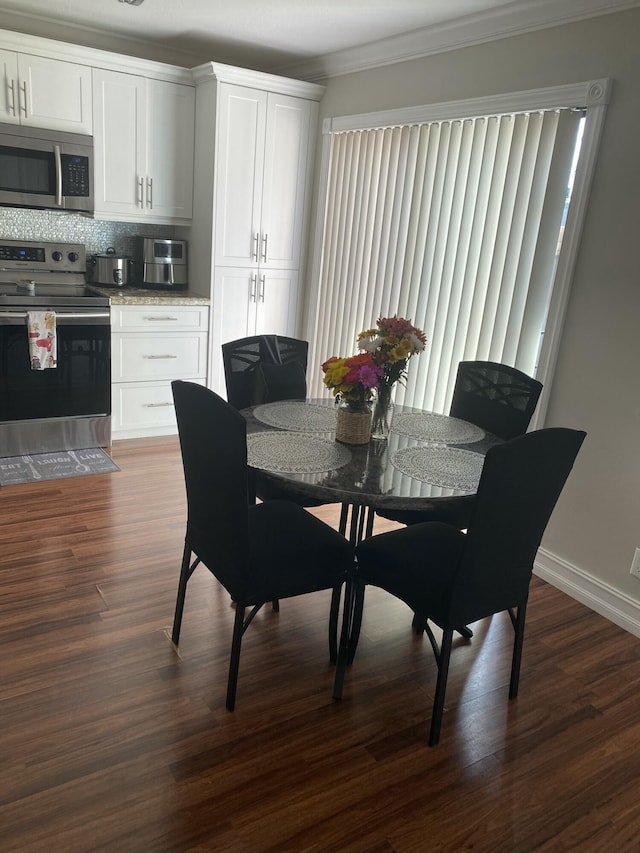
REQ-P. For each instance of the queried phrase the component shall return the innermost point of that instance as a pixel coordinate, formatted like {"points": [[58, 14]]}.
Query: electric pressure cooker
{"points": [[111, 269]]}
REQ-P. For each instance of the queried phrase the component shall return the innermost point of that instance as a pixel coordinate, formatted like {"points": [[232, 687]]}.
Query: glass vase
{"points": [[353, 424], [382, 413]]}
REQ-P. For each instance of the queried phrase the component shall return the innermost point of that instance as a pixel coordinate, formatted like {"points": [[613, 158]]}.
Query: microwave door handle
{"points": [[58, 159]]}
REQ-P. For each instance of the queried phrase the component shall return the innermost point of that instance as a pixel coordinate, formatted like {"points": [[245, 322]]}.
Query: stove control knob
{"points": [[57, 256], [73, 257]]}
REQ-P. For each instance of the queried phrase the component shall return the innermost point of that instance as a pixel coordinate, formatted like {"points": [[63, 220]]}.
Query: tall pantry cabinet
{"points": [[255, 138]]}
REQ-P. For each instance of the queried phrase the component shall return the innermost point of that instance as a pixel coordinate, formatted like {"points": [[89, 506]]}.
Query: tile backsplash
{"points": [[97, 235]]}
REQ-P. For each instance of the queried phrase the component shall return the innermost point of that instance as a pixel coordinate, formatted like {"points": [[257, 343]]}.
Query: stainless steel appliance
{"points": [[111, 269], [45, 168], [67, 407], [164, 264]]}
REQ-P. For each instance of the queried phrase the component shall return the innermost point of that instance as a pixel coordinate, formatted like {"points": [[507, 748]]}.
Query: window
{"points": [[451, 216]]}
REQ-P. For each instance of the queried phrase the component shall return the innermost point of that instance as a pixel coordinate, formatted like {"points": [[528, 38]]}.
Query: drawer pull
{"points": [[152, 357], [159, 319], [156, 405]]}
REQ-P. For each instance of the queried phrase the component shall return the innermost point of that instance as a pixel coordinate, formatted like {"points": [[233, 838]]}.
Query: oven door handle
{"points": [[60, 315]]}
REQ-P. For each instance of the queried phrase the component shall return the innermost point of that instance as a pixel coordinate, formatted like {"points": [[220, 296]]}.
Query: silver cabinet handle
{"points": [[158, 357], [160, 319], [139, 192], [262, 282], [149, 192], [23, 100], [11, 96], [254, 250], [156, 405], [252, 293], [264, 247]]}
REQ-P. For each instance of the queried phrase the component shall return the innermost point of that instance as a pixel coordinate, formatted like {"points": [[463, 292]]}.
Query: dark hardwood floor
{"points": [[112, 740]]}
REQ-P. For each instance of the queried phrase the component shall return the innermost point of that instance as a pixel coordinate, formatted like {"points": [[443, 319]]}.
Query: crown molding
{"points": [[256, 79], [97, 58], [512, 20]]}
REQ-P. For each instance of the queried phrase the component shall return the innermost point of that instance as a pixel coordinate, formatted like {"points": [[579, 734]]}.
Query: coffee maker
{"points": [[164, 264]]}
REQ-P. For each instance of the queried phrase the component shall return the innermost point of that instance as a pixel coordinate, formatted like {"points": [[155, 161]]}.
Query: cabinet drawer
{"points": [[144, 405], [143, 408], [159, 318], [139, 357]]}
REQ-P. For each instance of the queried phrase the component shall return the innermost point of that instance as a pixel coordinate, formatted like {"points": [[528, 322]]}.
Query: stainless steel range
{"points": [[66, 407]]}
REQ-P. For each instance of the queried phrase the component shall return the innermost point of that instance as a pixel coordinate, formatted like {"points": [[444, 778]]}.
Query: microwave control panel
{"points": [[75, 175]]}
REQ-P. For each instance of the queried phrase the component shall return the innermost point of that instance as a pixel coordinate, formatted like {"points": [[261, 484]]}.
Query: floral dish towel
{"points": [[42, 339]]}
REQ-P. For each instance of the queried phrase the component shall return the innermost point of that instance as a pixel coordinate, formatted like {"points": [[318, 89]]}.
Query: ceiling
{"points": [[305, 38]]}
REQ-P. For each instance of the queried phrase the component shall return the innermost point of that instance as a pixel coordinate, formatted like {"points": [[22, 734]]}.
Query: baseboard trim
{"points": [[595, 594]]}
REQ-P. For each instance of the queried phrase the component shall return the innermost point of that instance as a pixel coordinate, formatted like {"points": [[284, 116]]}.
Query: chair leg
{"points": [[344, 512], [418, 623], [234, 663], [275, 605], [343, 649], [441, 686], [185, 574], [356, 618], [333, 624], [516, 659]]}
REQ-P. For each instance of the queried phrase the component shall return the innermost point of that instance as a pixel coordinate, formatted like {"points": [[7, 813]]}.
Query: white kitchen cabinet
{"points": [[262, 171], [258, 132], [41, 92], [143, 148], [247, 302], [150, 346]]}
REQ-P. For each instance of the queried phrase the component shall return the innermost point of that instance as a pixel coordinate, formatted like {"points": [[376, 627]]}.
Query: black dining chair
{"points": [[496, 397], [264, 369], [258, 552], [456, 578], [267, 369]]}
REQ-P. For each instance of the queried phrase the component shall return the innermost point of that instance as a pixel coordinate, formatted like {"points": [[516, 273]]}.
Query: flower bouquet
{"points": [[390, 345], [352, 381]]}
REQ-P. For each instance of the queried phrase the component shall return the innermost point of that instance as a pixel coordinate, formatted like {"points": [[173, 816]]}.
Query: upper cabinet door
{"points": [[240, 155], [262, 163], [143, 148], [286, 164], [119, 147], [170, 139], [10, 94], [54, 94]]}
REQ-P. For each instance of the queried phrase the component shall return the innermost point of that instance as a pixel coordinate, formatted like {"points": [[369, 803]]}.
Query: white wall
{"points": [[590, 541]]}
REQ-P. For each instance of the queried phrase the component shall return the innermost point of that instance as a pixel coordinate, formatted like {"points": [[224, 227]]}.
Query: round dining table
{"points": [[428, 461]]}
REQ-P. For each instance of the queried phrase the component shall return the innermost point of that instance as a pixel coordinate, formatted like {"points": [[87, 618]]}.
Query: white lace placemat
{"points": [[297, 416], [449, 467], [429, 426], [295, 453]]}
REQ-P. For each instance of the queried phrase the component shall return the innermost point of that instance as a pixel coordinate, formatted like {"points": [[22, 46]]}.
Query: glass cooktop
{"points": [[49, 295]]}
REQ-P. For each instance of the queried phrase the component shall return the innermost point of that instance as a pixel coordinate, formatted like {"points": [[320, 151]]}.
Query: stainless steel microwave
{"points": [[45, 169]]}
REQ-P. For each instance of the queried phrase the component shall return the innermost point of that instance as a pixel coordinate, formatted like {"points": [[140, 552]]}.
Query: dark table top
{"points": [[428, 458]]}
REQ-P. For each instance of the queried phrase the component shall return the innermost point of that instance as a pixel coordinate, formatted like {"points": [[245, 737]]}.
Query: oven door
{"points": [[80, 385]]}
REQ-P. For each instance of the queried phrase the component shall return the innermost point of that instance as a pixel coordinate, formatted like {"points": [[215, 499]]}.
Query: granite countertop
{"points": [[143, 296]]}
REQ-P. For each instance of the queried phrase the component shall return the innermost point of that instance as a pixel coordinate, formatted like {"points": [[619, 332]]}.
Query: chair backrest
{"points": [[213, 443], [264, 368], [520, 484], [496, 397]]}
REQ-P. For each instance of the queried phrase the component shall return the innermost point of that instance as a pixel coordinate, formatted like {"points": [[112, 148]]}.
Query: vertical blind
{"points": [[451, 224]]}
